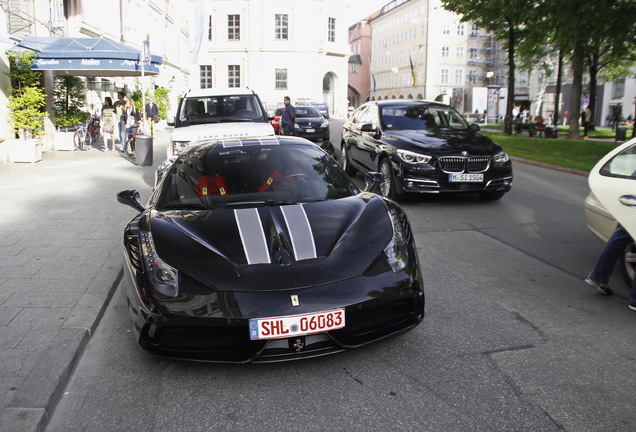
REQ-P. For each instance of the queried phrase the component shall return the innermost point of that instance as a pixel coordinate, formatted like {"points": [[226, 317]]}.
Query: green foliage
{"points": [[27, 99], [69, 97], [136, 97], [161, 99]]}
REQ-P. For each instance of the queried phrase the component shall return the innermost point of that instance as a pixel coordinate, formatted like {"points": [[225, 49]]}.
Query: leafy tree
{"points": [[506, 19], [27, 99], [69, 98], [161, 99]]}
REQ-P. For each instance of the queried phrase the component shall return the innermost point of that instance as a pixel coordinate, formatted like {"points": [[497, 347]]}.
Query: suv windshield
{"points": [[422, 117], [220, 109]]}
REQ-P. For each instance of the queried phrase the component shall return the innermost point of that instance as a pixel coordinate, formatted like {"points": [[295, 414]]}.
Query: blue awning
{"points": [[87, 57]]}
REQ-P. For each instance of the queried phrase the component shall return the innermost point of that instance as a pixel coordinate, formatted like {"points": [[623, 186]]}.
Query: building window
{"points": [[206, 76], [472, 76], [331, 36], [474, 29], [618, 89], [445, 51], [234, 27], [460, 52], [444, 76], [460, 29], [446, 29], [280, 27], [459, 77], [281, 79], [472, 54], [353, 68], [233, 76], [210, 27]]}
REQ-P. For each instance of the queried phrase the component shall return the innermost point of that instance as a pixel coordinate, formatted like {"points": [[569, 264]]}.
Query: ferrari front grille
{"points": [[459, 164]]}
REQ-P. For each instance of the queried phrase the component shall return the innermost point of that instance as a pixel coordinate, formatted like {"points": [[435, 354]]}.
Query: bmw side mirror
{"points": [[372, 180], [130, 198], [367, 127], [474, 127]]}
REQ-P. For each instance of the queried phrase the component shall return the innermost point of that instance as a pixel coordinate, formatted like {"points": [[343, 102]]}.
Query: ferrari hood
{"points": [[315, 242], [442, 140]]}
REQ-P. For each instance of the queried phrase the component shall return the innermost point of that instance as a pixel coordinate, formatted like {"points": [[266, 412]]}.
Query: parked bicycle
{"points": [[82, 138], [94, 128]]}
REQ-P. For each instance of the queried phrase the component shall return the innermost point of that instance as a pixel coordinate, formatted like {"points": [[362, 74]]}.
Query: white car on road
{"points": [[612, 199]]}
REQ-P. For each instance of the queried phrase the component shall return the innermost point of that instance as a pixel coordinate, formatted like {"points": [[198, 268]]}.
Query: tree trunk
{"points": [[575, 102], [511, 79], [557, 97], [594, 67]]}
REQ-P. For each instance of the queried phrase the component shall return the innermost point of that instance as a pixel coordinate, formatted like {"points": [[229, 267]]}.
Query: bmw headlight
{"points": [[163, 277], [178, 147], [412, 157], [396, 252], [501, 157]]}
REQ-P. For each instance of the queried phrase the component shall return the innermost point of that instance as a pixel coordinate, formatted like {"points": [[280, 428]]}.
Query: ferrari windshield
{"points": [[422, 116], [253, 174], [220, 109]]}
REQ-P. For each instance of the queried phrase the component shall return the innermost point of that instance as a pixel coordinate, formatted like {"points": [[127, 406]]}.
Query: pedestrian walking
{"points": [[109, 122], [152, 115], [120, 114], [599, 276], [288, 118], [132, 123]]}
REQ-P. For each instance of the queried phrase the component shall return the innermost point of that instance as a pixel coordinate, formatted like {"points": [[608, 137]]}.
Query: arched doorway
{"points": [[328, 94]]}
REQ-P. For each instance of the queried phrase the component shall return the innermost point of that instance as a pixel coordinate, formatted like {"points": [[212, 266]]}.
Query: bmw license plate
{"points": [[466, 178], [296, 325]]}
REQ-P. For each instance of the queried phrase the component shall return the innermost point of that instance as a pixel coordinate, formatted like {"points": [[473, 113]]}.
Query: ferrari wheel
{"points": [[346, 163]]}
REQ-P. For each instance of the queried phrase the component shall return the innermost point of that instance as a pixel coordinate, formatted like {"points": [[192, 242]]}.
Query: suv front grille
{"points": [[458, 164]]}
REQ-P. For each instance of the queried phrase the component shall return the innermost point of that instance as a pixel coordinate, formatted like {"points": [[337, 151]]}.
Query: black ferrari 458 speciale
{"points": [[263, 250]]}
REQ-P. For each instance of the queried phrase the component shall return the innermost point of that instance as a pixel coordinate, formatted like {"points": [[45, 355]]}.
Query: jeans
{"points": [[287, 129], [122, 135], [608, 258]]}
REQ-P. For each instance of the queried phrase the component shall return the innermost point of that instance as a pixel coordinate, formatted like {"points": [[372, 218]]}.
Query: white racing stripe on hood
{"points": [[300, 233], [252, 235]]}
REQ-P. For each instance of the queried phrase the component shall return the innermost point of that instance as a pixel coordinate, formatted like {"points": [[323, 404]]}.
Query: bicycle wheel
{"points": [[82, 140]]}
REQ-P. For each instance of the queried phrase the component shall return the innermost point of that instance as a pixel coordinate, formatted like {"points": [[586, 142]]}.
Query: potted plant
{"points": [[69, 97], [26, 114]]}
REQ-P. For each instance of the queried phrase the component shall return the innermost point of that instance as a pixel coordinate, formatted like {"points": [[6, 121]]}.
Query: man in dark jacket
{"points": [[152, 115], [288, 118]]}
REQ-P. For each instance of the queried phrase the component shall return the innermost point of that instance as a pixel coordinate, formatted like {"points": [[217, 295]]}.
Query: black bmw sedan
{"points": [[264, 250], [423, 147]]}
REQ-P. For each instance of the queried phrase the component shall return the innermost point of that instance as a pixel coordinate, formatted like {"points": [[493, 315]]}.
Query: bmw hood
{"points": [[442, 140], [212, 131], [294, 245]]}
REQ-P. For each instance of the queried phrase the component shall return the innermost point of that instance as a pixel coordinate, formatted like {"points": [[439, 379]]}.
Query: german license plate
{"points": [[310, 130], [296, 325], [466, 178]]}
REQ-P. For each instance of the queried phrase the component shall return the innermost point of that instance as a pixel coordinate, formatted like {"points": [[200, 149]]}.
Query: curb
{"points": [[35, 401]]}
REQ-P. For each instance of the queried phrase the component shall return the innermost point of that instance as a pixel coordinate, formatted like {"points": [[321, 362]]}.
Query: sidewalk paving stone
{"points": [[60, 262]]}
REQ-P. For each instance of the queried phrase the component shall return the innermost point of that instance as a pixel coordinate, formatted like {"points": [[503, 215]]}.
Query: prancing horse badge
{"points": [[295, 301]]}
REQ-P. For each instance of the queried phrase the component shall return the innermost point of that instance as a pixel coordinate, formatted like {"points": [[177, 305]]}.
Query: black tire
{"points": [[628, 263], [491, 196], [387, 187], [346, 163]]}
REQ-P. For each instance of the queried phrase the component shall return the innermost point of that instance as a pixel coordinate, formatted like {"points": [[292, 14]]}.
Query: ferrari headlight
{"points": [[413, 158], [163, 277], [501, 157], [178, 147], [396, 252]]}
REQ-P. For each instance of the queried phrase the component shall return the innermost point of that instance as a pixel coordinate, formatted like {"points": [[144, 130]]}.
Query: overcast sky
{"points": [[363, 8]]}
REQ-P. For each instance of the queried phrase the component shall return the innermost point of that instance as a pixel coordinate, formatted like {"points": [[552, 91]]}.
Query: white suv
{"points": [[208, 114]]}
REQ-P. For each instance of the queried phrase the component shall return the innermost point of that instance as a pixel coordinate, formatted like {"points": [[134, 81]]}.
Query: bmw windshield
{"points": [[422, 117]]}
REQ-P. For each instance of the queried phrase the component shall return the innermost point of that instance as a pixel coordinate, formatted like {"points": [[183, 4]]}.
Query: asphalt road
{"points": [[513, 340]]}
